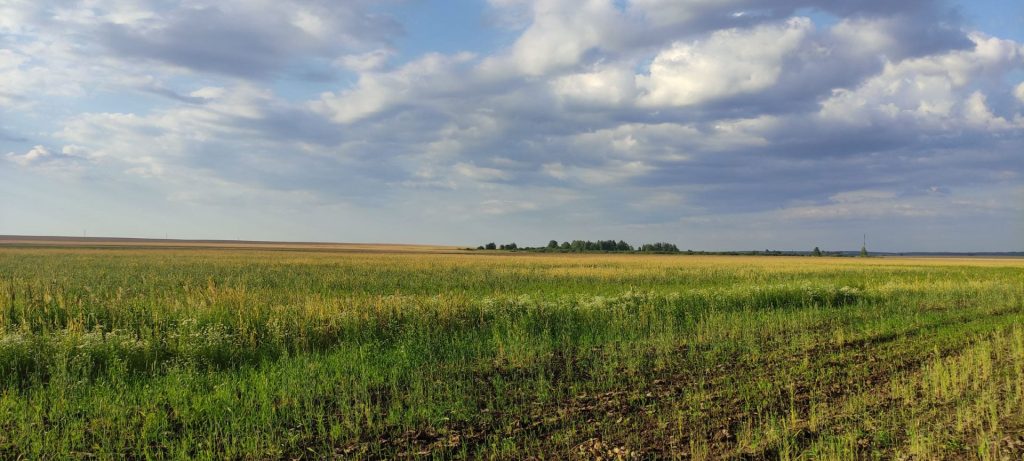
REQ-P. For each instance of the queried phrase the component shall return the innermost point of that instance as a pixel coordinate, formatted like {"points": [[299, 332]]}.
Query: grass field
{"points": [[256, 354]]}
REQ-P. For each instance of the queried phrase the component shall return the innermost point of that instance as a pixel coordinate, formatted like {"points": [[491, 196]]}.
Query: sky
{"points": [[712, 124]]}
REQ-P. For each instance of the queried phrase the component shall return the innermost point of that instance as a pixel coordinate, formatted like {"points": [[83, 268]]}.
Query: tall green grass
{"points": [[217, 354]]}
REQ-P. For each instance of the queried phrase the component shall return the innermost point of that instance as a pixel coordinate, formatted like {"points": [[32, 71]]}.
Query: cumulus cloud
{"points": [[729, 62], [978, 114], [930, 92], [560, 33]]}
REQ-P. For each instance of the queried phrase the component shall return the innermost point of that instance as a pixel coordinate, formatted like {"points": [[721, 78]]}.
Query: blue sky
{"points": [[733, 124]]}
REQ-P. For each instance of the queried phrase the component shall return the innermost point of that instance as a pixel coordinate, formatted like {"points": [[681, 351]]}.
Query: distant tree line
{"points": [[587, 246], [620, 246], [815, 252]]}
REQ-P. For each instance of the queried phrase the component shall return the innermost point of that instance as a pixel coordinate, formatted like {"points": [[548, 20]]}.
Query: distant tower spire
{"points": [[864, 246]]}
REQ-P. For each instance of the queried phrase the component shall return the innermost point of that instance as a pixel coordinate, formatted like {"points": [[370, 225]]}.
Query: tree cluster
{"points": [[503, 246], [584, 246], [600, 245], [660, 247]]}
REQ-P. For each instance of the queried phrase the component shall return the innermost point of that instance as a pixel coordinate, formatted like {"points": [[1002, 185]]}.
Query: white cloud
{"points": [[610, 173], [10, 60], [170, 143], [73, 49], [927, 91], [369, 61], [378, 91], [865, 36], [978, 114], [675, 141], [609, 86], [208, 92], [68, 160], [24, 76], [34, 155], [1019, 92], [729, 62], [480, 173], [560, 34]]}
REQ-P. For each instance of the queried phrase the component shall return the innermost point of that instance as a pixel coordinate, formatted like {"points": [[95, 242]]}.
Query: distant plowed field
{"points": [[16, 241], [302, 352]]}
